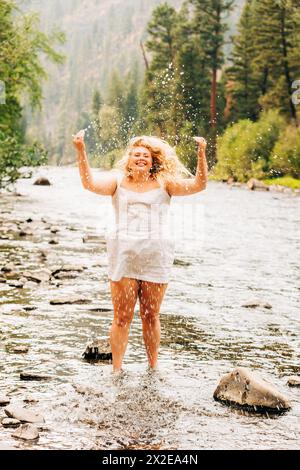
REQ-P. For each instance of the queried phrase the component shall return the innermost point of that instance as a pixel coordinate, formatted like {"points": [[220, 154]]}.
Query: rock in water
{"points": [[294, 381], [257, 303], [31, 375], [98, 350], [42, 182], [245, 388], [69, 300], [4, 400], [27, 432], [254, 183], [20, 349], [10, 423], [23, 415]]}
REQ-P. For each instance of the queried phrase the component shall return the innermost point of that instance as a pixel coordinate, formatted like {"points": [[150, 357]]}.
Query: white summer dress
{"points": [[140, 244]]}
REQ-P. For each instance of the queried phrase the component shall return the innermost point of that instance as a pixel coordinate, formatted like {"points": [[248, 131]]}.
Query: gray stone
{"points": [[4, 400], [30, 285], [294, 381], [20, 349], [30, 399], [23, 414], [64, 275], [93, 239], [254, 183], [38, 276], [31, 376], [67, 268], [26, 432], [245, 388], [257, 303], [42, 182], [8, 268], [84, 390], [10, 423], [25, 233], [69, 300], [54, 229], [53, 241], [179, 262], [98, 350], [14, 283]]}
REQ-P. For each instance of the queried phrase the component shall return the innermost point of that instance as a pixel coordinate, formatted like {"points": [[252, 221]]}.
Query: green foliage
{"points": [[285, 158], [242, 85], [21, 70], [245, 148], [265, 59], [14, 155], [107, 160], [287, 181]]}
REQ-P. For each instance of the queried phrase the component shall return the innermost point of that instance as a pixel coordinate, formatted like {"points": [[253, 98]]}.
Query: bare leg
{"points": [[151, 295], [124, 296]]}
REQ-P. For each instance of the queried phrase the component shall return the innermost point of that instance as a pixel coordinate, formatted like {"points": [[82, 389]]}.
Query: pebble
{"points": [[20, 349], [257, 303], [31, 376], [69, 300], [10, 423], [4, 400], [294, 381]]}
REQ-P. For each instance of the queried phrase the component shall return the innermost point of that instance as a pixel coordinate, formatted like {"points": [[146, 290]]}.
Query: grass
{"points": [[288, 181]]}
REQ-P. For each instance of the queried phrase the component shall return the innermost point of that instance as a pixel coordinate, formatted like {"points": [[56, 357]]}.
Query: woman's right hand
{"points": [[78, 140]]}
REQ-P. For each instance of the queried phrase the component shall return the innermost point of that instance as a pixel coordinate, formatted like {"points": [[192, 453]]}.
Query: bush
{"points": [[14, 155], [285, 158], [244, 150]]}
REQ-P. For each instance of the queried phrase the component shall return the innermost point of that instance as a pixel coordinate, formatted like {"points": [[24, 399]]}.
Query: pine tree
{"points": [[210, 26], [277, 58], [96, 103], [194, 75], [242, 88], [159, 92]]}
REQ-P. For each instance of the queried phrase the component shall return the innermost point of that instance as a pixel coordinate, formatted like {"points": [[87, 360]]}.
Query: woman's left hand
{"points": [[202, 144]]}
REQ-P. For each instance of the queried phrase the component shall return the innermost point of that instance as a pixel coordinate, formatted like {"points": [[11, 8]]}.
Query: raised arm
{"points": [[192, 185], [106, 185]]}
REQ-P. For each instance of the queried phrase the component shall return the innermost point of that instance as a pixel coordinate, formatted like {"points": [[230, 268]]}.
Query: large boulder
{"points": [[24, 415], [245, 388]]}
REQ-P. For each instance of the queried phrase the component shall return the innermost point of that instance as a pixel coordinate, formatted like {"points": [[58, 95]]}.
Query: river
{"points": [[245, 247]]}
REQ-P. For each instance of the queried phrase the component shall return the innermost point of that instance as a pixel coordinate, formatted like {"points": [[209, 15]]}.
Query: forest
{"points": [[223, 69]]}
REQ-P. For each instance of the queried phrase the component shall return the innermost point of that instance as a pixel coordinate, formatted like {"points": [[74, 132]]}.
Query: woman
{"points": [[139, 259]]}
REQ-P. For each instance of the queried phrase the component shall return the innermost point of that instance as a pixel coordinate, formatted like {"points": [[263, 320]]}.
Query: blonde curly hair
{"points": [[166, 166]]}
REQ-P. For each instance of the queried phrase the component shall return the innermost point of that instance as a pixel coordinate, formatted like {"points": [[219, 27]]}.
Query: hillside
{"points": [[102, 35]]}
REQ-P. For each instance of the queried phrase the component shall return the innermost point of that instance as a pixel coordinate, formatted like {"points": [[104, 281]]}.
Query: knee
{"points": [[123, 321], [149, 316]]}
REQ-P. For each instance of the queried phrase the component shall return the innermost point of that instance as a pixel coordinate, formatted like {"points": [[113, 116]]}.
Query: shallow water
{"points": [[246, 248]]}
